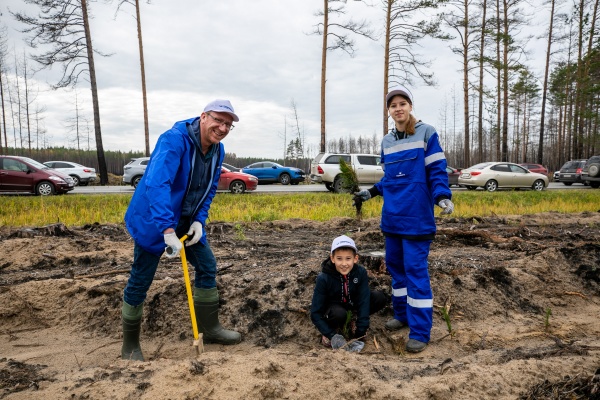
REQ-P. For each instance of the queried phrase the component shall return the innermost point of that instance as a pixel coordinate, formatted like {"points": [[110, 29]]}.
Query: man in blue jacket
{"points": [[171, 200]]}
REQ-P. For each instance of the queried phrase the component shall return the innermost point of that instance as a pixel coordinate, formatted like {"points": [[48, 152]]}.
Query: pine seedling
{"points": [[346, 329], [446, 317], [350, 184], [547, 315]]}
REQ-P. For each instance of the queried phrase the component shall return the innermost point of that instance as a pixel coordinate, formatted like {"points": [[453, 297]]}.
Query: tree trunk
{"points": [[498, 83], [467, 150], [144, 98], [324, 71], [504, 155], [540, 156], [386, 63], [90, 54], [480, 111]]}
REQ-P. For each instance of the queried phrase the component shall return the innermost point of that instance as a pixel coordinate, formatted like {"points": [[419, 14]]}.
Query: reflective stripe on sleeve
{"points": [[434, 157], [399, 292]]}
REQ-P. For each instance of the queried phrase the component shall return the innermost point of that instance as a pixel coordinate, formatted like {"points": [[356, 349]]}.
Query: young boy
{"points": [[343, 286]]}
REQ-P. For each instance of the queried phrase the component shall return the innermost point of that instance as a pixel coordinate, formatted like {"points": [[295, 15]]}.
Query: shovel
{"points": [[198, 345]]}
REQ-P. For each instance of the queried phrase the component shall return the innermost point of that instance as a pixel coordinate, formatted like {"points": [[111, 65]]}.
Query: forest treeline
{"points": [[505, 110]]}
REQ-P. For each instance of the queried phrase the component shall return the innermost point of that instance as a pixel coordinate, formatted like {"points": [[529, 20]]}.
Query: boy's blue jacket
{"points": [[329, 290], [158, 199]]}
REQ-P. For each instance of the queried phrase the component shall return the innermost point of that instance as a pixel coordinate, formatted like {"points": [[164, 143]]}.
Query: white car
{"points": [[494, 175], [81, 175], [134, 170]]}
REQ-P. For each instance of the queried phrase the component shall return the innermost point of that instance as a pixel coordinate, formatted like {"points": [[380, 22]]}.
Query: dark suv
{"points": [[591, 172], [570, 172]]}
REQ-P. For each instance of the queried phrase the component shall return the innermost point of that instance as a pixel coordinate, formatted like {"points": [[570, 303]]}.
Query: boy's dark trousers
{"points": [[337, 314]]}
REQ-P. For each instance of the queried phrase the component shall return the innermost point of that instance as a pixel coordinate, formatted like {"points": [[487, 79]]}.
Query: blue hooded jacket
{"points": [[158, 199]]}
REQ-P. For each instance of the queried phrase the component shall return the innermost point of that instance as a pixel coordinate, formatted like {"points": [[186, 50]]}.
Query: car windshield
{"points": [[480, 165], [35, 163]]}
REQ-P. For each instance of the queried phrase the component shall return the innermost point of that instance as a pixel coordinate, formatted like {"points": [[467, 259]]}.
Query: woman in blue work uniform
{"points": [[415, 180]]}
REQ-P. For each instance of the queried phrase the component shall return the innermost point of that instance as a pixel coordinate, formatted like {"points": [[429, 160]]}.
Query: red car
{"points": [[236, 182], [24, 175], [537, 168]]}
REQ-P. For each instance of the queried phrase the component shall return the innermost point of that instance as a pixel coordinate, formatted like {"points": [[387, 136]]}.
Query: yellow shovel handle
{"points": [[188, 288]]}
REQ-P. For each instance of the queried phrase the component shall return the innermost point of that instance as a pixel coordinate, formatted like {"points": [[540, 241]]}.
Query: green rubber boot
{"points": [[132, 323], [206, 305]]}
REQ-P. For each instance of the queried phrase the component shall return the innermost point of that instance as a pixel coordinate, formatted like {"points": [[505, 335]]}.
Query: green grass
{"points": [[77, 210]]}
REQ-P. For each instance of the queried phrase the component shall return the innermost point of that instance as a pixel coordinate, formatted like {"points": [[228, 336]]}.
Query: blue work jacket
{"points": [[158, 199], [414, 180]]}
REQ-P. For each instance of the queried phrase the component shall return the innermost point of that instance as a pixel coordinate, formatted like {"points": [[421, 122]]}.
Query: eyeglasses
{"points": [[221, 122]]}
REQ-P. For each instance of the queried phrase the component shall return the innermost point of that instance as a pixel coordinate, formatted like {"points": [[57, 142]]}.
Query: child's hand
{"points": [[337, 341], [355, 346]]}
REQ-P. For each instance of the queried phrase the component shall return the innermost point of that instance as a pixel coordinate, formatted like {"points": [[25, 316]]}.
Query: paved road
{"points": [[277, 188]]}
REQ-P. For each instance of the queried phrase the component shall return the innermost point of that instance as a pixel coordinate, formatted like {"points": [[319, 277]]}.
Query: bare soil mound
{"points": [[522, 295]]}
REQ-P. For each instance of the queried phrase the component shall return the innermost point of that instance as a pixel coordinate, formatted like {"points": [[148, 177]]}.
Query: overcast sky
{"points": [[258, 54]]}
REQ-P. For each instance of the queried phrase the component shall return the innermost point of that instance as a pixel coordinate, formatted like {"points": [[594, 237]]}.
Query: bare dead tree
{"points": [[136, 4], [340, 32], [64, 26], [403, 32], [3, 58]]}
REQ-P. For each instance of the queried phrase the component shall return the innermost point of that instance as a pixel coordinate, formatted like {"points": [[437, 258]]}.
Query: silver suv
{"points": [[325, 168], [134, 170]]}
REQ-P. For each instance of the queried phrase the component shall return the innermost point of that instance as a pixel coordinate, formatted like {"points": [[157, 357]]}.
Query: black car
{"points": [[591, 172], [570, 172]]}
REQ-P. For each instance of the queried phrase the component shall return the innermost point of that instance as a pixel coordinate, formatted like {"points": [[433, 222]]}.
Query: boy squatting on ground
{"points": [[342, 286]]}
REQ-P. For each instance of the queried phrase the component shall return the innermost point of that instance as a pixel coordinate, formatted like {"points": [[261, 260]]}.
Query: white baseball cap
{"points": [[342, 241], [398, 91], [223, 106]]}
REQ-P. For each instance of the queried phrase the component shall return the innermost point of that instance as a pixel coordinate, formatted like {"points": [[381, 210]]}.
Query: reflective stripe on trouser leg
{"points": [[414, 273], [394, 262]]}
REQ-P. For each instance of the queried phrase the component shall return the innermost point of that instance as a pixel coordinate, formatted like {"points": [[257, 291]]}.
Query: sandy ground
{"points": [[522, 295]]}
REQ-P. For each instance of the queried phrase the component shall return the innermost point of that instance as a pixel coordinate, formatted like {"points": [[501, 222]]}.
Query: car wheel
{"points": [[567, 183], [491, 185], [538, 185], [338, 186], [135, 181], [594, 170], [44, 189], [76, 180], [237, 187], [284, 179], [595, 185], [329, 186], [471, 187]]}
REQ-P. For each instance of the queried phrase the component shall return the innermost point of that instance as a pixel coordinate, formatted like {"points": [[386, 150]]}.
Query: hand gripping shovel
{"points": [[188, 288]]}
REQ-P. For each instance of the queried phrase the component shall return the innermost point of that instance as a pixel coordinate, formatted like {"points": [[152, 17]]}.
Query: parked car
{"points": [[24, 175], [591, 172], [570, 172], [453, 174], [540, 169], [556, 176], [325, 168], [494, 175], [81, 175], [271, 172], [236, 182], [134, 170], [231, 167]]}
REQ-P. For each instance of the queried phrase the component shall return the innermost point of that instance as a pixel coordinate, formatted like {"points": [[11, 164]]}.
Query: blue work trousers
{"points": [[412, 298], [145, 264]]}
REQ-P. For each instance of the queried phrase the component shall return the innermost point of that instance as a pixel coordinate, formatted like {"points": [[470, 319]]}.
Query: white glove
{"points": [[174, 246], [447, 205], [364, 195], [356, 346], [196, 231], [337, 341]]}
